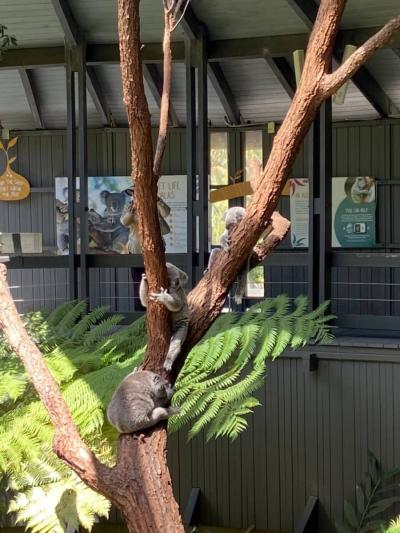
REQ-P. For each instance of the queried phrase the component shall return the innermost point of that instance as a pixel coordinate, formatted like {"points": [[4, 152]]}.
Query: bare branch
{"points": [[332, 82], [67, 443], [166, 91]]}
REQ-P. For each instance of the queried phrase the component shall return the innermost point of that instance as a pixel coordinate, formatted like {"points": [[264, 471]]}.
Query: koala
{"points": [[140, 402], [232, 218], [175, 300], [363, 190], [129, 219], [114, 205], [62, 227]]}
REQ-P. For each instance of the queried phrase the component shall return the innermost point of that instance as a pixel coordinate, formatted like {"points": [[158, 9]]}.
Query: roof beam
{"points": [[193, 29], [31, 96], [74, 37], [222, 50], [189, 22], [68, 23], [363, 79], [280, 66], [224, 93], [155, 84], [97, 96]]}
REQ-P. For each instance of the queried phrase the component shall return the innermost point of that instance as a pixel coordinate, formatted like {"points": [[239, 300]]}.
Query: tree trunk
{"points": [[140, 484], [147, 502]]}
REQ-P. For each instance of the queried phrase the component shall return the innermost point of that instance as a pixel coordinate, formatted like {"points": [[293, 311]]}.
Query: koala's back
{"points": [[132, 403]]}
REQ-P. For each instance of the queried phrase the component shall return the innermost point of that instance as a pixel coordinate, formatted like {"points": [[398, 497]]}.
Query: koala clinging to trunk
{"points": [[175, 300], [232, 218], [129, 219], [139, 402]]}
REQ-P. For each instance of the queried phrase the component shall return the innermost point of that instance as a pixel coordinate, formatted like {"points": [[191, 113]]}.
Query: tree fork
{"points": [[140, 485]]}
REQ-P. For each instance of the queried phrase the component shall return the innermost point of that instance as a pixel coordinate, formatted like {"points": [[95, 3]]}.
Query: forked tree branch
{"points": [[67, 443], [332, 82]]}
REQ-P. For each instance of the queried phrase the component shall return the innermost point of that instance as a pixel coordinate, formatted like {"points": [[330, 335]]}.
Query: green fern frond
{"points": [[101, 331], [89, 320], [60, 312], [67, 322]]}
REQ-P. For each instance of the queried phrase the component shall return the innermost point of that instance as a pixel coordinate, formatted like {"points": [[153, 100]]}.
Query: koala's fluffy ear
{"points": [[104, 195], [183, 278]]}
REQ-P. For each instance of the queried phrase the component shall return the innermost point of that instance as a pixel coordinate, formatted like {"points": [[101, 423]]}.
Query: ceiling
{"points": [[254, 86]]}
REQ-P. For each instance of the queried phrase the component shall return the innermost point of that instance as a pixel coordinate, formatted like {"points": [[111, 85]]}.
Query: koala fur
{"points": [[232, 218], [362, 190], [129, 219], [175, 300], [62, 226], [140, 402]]}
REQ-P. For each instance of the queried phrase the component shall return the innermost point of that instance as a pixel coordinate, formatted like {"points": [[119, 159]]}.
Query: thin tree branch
{"points": [[166, 92], [332, 82], [67, 443]]}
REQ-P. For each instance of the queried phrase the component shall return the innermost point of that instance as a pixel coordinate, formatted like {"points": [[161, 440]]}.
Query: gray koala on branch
{"points": [[140, 402], [175, 300], [232, 218]]}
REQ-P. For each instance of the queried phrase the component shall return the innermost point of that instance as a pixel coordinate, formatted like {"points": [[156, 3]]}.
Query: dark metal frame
{"points": [[320, 205], [362, 79]]}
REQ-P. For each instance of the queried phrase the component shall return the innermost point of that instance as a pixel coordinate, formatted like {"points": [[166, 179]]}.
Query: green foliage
{"points": [[6, 40], [371, 501], [89, 355], [394, 526], [216, 385]]}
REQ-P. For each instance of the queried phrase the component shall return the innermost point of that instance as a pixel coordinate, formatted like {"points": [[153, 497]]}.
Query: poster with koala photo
{"points": [[113, 226], [353, 212]]}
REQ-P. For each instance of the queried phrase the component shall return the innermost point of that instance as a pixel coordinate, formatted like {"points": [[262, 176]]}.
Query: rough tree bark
{"points": [[139, 484]]}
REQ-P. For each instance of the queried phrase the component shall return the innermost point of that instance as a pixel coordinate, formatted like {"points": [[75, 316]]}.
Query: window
{"points": [[253, 160], [218, 178]]}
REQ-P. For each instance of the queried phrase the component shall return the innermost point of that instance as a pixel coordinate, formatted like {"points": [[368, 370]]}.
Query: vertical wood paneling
{"points": [[310, 438]]}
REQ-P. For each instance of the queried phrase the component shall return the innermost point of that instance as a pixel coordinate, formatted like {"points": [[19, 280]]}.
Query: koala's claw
{"points": [[157, 296], [144, 275], [167, 365], [174, 410]]}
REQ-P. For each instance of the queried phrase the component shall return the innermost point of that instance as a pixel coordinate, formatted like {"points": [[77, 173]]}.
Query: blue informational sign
{"points": [[353, 212]]}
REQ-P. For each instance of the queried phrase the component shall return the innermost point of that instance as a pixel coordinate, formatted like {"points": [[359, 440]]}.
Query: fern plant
{"points": [[222, 372], [372, 501], [89, 355]]}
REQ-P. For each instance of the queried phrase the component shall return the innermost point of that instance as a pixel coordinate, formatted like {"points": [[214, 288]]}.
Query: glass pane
{"points": [[255, 283], [218, 177], [253, 157]]}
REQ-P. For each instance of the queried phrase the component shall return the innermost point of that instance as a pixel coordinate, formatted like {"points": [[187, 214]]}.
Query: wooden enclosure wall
{"points": [[311, 435], [309, 438]]}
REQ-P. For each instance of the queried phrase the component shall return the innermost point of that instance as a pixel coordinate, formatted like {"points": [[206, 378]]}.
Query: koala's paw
{"points": [[226, 245], [144, 276], [159, 296], [167, 365], [174, 410]]}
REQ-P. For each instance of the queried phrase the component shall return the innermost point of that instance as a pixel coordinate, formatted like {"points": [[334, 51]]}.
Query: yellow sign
{"points": [[13, 186], [237, 190]]}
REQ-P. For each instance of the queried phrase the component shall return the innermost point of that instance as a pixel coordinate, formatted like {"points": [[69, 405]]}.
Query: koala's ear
{"points": [[104, 195], [224, 216], [183, 278]]}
